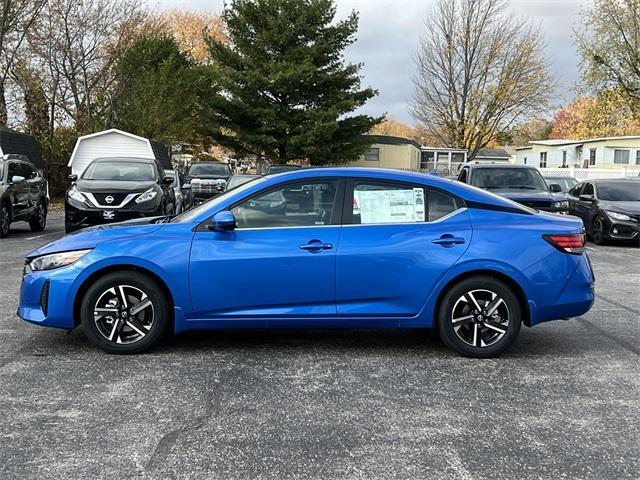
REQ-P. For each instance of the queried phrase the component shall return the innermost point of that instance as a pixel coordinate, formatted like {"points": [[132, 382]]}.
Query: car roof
{"points": [[499, 165], [125, 160], [613, 180]]}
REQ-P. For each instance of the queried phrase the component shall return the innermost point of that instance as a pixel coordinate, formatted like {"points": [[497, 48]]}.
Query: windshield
{"points": [[215, 169], [120, 171], [566, 183], [210, 204], [494, 178], [619, 191]]}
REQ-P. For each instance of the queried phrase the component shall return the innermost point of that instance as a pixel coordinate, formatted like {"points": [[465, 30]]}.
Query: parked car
{"points": [[208, 179], [23, 194], [566, 183], [181, 190], [421, 251], [610, 209], [237, 180], [281, 168], [521, 183], [115, 189]]}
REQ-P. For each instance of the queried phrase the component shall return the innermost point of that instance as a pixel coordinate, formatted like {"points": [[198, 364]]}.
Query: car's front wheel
{"points": [[124, 312], [479, 317], [38, 220]]}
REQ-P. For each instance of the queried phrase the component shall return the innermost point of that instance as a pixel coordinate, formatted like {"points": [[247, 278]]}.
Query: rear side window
{"points": [[376, 203], [440, 204]]}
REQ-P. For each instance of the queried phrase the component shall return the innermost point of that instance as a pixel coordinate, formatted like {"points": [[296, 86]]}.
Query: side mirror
{"points": [[17, 179], [73, 177], [555, 188], [586, 198], [186, 186], [167, 180], [223, 221]]}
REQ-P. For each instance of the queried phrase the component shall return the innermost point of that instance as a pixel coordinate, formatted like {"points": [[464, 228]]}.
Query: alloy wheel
{"points": [[123, 314], [598, 231], [480, 318], [42, 215]]}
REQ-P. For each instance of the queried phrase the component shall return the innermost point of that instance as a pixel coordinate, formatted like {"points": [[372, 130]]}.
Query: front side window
{"points": [[587, 190], [621, 157], [12, 171], [120, 171], [304, 204]]}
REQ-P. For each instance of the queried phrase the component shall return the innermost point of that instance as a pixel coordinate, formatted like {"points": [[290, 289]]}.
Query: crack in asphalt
{"points": [[166, 442], [613, 302], [623, 343]]}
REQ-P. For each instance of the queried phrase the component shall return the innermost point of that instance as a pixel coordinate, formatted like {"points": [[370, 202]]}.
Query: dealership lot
{"points": [[562, 403]]}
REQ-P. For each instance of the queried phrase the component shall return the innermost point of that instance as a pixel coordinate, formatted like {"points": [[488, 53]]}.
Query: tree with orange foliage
{"points": [[606, 115], [391, 126]]}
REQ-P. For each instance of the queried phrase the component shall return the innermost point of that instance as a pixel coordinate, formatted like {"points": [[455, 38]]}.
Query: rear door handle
{"points": [[315, 246], [448, 240]]}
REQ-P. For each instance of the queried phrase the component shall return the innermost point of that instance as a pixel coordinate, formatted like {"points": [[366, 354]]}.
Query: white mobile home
{"points": [[606, 152], [116, 143]]}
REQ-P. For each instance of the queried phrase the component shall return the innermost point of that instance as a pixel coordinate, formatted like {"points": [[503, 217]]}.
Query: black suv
{"points": [[23, 194], [208, 179], [117, 189], [520, 183]]}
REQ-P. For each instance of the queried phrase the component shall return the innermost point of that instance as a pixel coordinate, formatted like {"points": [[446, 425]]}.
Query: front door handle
{"points": [[448, 240], [315, 246]]}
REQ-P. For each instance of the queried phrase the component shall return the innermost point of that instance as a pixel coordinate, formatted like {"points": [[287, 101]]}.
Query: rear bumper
{"points": [[564, 298]]}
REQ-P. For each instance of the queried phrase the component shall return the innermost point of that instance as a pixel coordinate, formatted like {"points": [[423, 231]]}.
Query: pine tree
{"points": [[286, 91]]}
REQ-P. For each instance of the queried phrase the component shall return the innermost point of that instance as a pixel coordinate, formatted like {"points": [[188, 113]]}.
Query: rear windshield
{"points": [[217, 169], [495, 178], [619, 191], [120, 171]]}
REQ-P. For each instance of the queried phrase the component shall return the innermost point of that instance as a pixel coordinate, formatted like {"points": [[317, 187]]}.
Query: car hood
{"points": [[524, 195], [624, 207], [90, 237], [113, 186]]}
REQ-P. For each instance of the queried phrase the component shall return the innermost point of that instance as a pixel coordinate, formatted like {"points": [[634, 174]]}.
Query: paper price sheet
{"points": [[391, 206]]}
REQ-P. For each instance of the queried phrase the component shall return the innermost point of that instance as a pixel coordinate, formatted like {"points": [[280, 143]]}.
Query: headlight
{"points": [[146, 196], [56, 260], [563, 204], [76, 195], [617, 215]]}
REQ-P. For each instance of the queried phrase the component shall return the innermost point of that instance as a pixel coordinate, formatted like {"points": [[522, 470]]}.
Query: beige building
{"points": [[390, 152], [605, 152]]}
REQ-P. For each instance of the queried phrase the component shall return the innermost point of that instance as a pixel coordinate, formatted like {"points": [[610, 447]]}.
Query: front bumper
{"points": [[621, 230], [78, 215], [44, 297]]}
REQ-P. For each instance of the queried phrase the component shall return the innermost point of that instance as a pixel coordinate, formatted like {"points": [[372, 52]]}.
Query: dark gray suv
{"points": [[23, 194]]}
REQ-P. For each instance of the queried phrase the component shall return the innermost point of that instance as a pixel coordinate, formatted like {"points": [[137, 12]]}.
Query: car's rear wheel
{"points": [[479, 317], [125, 312], [597, 231], [38, 220], [5, 220]]}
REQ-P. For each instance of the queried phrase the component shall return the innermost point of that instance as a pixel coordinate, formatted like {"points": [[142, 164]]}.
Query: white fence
{"points": [[589, 173]]}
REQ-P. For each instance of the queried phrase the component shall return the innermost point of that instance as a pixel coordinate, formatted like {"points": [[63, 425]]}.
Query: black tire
{"points": [[38, 220], [597, 231], [131, 332], [5, 220], [480, 336]]}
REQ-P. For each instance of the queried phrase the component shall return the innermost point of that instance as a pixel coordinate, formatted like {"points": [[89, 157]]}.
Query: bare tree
{"points": [[77, 44], [16, 19], [609, 42], [479, 71]]}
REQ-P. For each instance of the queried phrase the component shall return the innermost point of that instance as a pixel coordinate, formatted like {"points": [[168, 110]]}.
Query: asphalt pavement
{"points": [[562, 403]]}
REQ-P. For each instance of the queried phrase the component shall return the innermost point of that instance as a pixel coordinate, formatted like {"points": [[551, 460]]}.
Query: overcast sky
{"points": [[389, 31]]}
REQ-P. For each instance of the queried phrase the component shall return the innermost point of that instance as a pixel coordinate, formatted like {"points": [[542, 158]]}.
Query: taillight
{"points": [[569, 243]]}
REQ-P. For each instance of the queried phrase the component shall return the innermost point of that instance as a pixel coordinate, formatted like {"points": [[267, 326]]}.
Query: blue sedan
{"points": [[334, 247]]}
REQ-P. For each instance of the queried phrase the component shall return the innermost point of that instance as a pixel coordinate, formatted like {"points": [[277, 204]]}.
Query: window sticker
{"points": [[390, 206]]}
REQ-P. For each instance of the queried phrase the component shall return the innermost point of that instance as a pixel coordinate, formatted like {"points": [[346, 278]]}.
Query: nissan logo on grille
{"points": [[109, 199]]}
